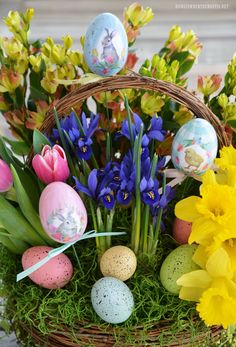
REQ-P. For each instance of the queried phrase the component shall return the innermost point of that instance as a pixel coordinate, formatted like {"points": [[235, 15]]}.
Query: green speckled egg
{"points": [[176, 264]]}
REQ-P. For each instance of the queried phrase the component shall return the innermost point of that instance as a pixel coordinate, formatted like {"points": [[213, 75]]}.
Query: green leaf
{"points": [[17, 225], [7, 155], [18, 147], [163, 51], [232, 123], [39, 140], [20, 97], [14, 245], [185, 67], [180, 56], [27, 209]]}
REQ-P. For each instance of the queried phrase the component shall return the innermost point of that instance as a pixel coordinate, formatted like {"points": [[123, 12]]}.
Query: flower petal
{"points": [[197, 278], [190, 294], [42, 169], [186, 209], [219, 265]]}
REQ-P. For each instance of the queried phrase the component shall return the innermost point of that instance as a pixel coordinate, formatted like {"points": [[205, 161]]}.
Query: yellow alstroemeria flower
{"points": [[213, 288]]}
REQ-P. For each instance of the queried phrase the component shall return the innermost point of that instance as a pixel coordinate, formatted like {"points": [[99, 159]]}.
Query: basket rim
{"points": [[136, 81]]}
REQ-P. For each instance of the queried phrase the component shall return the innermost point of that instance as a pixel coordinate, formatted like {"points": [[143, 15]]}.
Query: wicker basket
{"points": [[84, 333]]}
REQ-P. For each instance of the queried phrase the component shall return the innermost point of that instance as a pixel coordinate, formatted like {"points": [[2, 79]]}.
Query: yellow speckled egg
{"points": [[119, 262]]}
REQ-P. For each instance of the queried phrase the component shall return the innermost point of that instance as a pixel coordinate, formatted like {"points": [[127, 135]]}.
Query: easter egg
{"points": [[106, 45], [119, 262], [176, 264], [181, 230], [194, 147], [112, 300], [62, 212], [56, 273]]}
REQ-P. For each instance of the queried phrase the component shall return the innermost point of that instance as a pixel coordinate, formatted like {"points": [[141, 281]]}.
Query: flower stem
{"points": [[78, 261], [159, 217], [129, 121], [137, 212]]}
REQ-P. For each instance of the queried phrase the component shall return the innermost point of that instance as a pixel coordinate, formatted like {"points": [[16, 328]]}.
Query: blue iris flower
{"points": [[96, 190], [149, 191], [81, 138]]}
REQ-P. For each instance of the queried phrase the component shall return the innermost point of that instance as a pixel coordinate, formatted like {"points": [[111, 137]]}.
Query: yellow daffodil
{"points": [[227, 157], [210, 213], [214, 289], [217, 306]]}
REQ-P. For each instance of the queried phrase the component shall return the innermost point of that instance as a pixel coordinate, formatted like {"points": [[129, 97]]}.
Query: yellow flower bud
{"points": [[82, 40], [58, 55], [35, 61], [183, 115], [223, 100], [137, 15], [4, 106], [207, 85], [18, 24], [12, 47], [75, 58], [151, 103], [29, 14], [49, 82], [9, 80], [67, 41]]}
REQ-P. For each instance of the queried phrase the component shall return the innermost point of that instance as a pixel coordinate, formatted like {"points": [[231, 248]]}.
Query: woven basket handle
{"points": [[175, 92]]}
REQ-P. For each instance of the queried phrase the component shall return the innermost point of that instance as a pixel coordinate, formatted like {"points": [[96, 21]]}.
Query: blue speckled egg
{"points": [[194, 147], [112, 300], [106, 45]]}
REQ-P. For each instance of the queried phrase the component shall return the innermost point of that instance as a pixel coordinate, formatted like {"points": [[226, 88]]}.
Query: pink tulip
{"points": [[6, 178], [51, 165]]}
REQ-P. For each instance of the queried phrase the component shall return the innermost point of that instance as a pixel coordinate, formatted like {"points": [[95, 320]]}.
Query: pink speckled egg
{"points": [[181, 230], [56, 273], [62, 212]]}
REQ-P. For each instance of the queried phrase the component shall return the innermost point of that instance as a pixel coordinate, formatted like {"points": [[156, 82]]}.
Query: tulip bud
{"points": [[6, 178], [51, 165]]}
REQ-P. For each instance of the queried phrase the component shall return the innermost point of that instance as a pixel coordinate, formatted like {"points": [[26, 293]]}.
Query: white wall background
{"points": [[214, 21]]}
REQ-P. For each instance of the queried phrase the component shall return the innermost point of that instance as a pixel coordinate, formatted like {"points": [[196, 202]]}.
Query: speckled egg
{"points": [[176, 264], [194, 147], [106, 45], [62, 212], [181, 230], [112, 300], [119, 262], [56, 273]]}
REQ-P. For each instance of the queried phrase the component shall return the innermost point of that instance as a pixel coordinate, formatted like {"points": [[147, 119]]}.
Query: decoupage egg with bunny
{"points": [[62, 212], [106, 45], [194, 147]]}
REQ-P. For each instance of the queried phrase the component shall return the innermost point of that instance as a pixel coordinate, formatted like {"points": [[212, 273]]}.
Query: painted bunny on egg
{"points": [[109, 50], [67, 226]]}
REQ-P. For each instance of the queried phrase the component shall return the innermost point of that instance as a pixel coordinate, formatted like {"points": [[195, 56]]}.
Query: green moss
{"points": [[49, 310]]}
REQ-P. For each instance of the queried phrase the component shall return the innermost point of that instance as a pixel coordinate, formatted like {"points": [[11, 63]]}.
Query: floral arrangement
{"points": [[122, 178]]}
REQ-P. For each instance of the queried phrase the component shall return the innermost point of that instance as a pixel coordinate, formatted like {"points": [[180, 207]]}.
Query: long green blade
{"points": [[27, 209], [17, 225]]}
